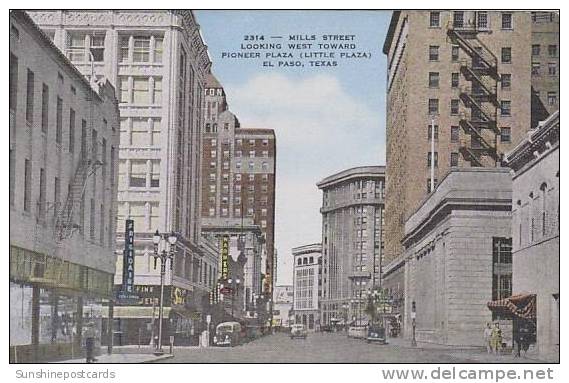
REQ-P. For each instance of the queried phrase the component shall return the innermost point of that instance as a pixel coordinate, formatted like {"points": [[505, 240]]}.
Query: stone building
{"points": [[463, 77], [535, 228], [158, 62], [238, 168], [307, 279], [352, 240], [458, 257], [64, 140]]}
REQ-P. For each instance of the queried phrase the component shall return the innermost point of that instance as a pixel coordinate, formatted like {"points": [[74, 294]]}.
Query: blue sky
{"points": [[326, 119]]}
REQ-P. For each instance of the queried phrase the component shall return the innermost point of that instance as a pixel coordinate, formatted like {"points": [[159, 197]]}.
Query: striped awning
{"points": [[520, 305]]}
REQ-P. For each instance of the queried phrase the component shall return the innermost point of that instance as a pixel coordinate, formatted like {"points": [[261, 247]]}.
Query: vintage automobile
{"points": [[376, 333], [298, 331], [358, 332], [227, 334]]}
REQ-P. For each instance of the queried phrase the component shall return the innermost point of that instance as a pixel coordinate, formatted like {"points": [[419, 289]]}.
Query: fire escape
{"points": [[480, 97]]}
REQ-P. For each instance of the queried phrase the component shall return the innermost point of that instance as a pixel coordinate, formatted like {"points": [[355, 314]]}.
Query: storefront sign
{"points": [[149, 295], [224, 258], [128, 259]]}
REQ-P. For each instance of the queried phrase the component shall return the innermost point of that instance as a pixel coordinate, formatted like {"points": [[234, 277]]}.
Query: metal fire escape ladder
{"points": [[481, 70]]}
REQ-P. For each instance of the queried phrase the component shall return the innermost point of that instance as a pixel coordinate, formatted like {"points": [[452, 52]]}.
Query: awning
{"points": [[520, 305]]}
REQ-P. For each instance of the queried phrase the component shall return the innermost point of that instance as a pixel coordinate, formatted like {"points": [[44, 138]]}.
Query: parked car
{"points": [[358, 332], [376, 333], [227, 334], [298, 331]]}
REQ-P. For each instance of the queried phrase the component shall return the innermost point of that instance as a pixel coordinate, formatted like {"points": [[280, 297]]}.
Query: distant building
{"points": [[282, 308], [306, 285], [535, 229], [458, 257], [352, 240], [238, 171], [158, 62], [544, 65], [64, 139]]}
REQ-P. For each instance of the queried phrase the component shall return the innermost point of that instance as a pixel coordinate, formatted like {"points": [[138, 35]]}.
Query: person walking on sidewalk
{"points": [[496, 338], [487, 336], [90, 335]]}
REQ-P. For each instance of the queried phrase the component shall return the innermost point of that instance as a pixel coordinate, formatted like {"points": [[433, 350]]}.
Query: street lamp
{"points": [[413, 316], [163, 256]]}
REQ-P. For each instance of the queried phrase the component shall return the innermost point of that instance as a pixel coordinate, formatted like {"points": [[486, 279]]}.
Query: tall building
{"points": [[158, 62], [544, 65], [535, 232], [238, 167], [307, 281], [64, 140], [352, 240], [468, 74]]}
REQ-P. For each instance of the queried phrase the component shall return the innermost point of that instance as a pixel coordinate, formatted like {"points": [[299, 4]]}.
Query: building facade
{"points": [[307, 281], [64, 140], [238, 167], [158, 62], [544, 65], [463, 74], [352, 240], [458, 257], [535, 228]]}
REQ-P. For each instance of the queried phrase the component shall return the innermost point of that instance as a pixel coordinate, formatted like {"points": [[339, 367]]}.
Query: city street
{"points": [[332, 348]]}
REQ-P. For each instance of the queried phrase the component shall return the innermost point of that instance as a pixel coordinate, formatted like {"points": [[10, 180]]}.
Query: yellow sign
{"points": [[224, 257]]}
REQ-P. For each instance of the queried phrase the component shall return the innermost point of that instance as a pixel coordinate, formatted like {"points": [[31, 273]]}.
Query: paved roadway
{"points": [[332, 348]]}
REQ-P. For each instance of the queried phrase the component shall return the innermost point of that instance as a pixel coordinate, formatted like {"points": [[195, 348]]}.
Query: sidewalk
{"points": [[124, 355]]}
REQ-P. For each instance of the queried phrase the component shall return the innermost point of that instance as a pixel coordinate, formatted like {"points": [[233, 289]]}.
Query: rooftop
{"points": [[356, 172]]}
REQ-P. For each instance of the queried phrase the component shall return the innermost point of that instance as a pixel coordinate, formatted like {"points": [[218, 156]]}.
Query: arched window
{"points": [[299, 261]]}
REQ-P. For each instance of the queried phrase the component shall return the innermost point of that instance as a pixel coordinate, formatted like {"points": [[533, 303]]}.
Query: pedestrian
{"points": [[496, 338], [487, 336], [90, 335]]}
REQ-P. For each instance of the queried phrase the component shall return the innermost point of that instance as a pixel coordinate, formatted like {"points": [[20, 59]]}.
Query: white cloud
{"points": [[320, 129]]}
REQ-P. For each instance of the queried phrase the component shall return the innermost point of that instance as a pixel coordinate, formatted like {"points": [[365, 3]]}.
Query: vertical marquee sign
{"points": [[224, 258], [128, 259]]}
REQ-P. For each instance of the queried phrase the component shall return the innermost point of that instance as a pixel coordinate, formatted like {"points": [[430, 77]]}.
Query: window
{"points": [[98, 47], [27, 184], [44, 108], [506, 81], [535, 68], [30, 97], [458, 19], [552, 50], [56, 193], [141, 49], [41, 201], [238, 177], [265, 142], [59, 120], [72, 130], [252, 142], [535, 49], [502, 268], [124, 92], [454, 134], [137, 173], [436, 159], [507, 21], [506, 55], [265, 153], [551, 98], [552, 69], [212, 177], [13, 81], [482, 19], [155, 174], [454, 106], [429, 184], [433, 79], [433, 53], [506, 135], [251, 153], [454, 159], [251, 165], [433, 106], [140, 90], [454, 80], [251, 177], [76, 47], [157, 97], [454, 53], [430, 131], [158, 49], [505, 108], [434, 19]]}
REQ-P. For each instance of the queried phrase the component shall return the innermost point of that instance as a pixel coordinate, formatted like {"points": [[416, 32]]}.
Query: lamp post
{"points": [[164, 256], [413, 316]]}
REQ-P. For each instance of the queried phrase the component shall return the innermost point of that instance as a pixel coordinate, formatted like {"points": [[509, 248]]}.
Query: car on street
{"points": [[228, 334], [376, 334], [298, 331], [358, 332]]}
